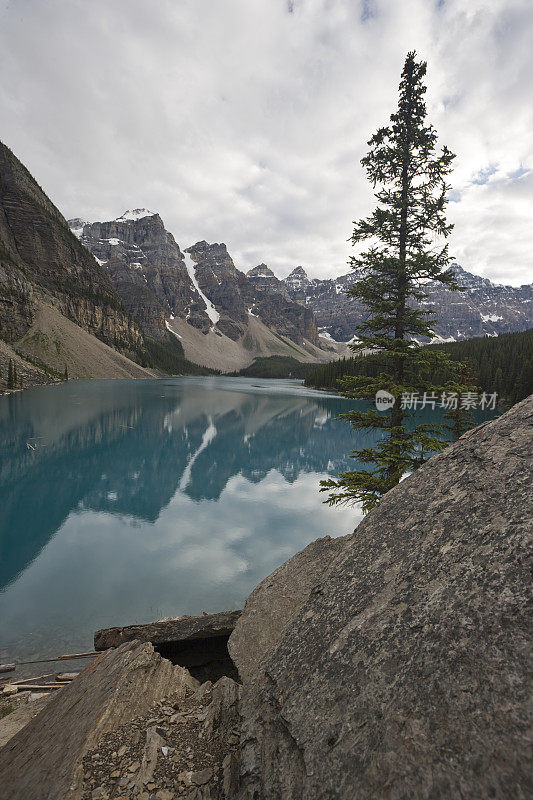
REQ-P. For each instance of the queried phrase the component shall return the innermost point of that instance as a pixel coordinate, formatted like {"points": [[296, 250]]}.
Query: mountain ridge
{"points": [[222, 317], [484, 309]]}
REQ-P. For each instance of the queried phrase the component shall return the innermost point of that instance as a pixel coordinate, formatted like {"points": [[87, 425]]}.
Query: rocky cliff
{"points": [[146, 267], [41, 259], [162, 287], [237, 296], [484, 309]]}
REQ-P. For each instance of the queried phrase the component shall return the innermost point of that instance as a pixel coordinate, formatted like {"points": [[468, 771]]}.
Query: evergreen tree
{"points": [[461, 419], [10, 375], [66, 373], [15, 377], [411, 179]]}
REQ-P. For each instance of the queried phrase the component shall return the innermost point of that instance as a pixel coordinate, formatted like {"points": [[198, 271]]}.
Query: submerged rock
{"points": [[405, 672]]}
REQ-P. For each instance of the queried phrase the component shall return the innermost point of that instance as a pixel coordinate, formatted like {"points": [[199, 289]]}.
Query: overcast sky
{"points": [[244, 121]]}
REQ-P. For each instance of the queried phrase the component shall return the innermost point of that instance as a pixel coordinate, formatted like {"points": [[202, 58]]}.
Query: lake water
{"points": [[127, 501]]}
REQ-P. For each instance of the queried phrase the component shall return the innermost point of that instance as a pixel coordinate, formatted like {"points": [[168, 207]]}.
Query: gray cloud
{"points": [[244, 121]]}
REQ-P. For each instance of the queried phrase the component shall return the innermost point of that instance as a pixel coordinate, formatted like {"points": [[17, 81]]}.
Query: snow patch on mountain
{"points": [[135, 214], [490, 317], [210, 309]]}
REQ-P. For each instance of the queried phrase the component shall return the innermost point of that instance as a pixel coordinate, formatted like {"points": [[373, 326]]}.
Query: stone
{"points": [[175, 629], [149, 759], [273, 603], [405, 672], [115, 688], [9, 689], [201, 777]]}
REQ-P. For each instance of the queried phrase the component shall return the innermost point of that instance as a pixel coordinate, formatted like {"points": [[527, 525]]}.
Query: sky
{"points": [[244, 121]]}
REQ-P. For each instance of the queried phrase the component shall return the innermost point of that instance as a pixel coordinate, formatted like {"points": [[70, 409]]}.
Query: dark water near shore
{"points": [[126, 501]]}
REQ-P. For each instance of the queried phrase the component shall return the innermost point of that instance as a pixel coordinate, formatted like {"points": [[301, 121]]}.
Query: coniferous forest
{"points": [[502, 364]]}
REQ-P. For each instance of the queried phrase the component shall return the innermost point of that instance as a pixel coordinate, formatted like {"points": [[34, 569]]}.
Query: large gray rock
{"points": [[277, 599], [44, 760], [405, 672]]}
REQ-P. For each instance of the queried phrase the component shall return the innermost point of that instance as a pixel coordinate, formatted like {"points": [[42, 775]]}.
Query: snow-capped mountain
{"points": [[484, 309], [198, 293]]}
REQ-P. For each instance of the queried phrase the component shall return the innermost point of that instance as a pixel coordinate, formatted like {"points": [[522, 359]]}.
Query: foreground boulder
{"points": [[278, 598], [44, 760], [405, 672]]}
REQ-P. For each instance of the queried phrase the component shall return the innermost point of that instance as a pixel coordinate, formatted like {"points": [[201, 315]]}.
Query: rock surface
{"points": [[173, 629], [277, 599], [44, 760], [147, 269], [184, 746], [40, 256], [405, 672]]}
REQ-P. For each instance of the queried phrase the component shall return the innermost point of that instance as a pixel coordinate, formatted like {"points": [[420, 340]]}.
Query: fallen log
{"points": [[8, 667]]}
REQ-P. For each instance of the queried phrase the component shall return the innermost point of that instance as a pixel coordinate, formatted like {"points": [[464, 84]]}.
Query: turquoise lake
{"points": [[127, 501]]}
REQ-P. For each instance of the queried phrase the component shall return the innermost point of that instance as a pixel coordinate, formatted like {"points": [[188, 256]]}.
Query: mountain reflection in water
{"points": [[144, 499]]}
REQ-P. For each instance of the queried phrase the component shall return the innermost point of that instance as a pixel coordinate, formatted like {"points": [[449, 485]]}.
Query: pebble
{"points": [[134, 767], [121, 750], [201, 777], [115, 774]]}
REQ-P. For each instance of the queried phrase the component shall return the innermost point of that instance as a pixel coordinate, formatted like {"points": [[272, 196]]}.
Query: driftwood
{"points": [[35, 679], [68, 657], [36, 687], [8, 667]]}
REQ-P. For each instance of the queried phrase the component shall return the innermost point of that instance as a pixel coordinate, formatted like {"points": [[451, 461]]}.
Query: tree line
{"points": [[502, 364]]}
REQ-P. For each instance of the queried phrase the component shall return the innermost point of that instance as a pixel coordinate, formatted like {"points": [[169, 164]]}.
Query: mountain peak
{"points": [[298, 272], [135, 214], [261, 271]]}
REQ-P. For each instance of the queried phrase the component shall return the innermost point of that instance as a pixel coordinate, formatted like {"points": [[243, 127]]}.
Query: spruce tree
{"points": [[66, 373], [10, 375], [403, 256]]}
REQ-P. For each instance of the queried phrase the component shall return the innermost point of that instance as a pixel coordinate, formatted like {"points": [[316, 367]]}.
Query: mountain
{"points": [[237, 296], [484, 309], [146, 267], [222, 318], [58, 306]]}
